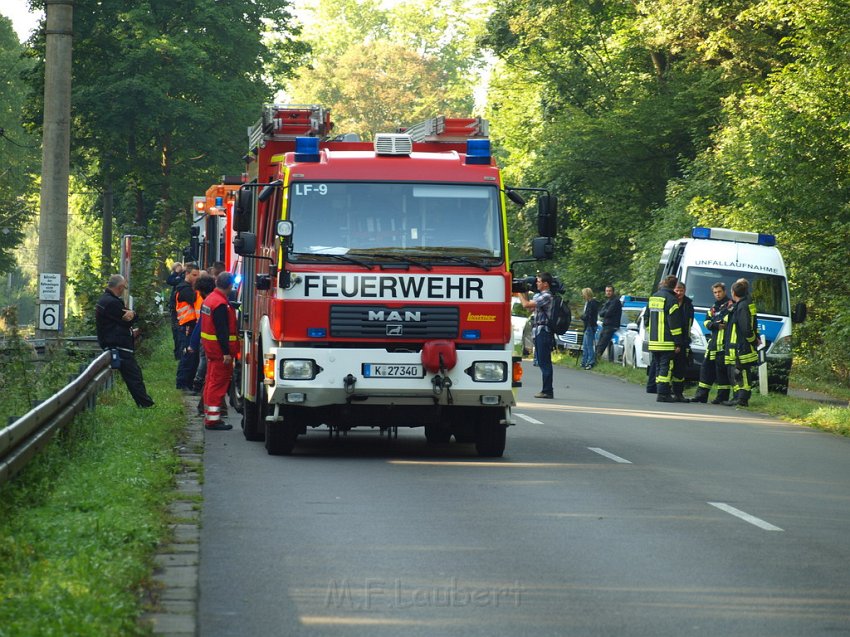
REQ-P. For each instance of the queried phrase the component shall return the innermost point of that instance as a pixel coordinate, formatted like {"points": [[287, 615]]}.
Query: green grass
{"points": [[811, 413], [79, 526]]}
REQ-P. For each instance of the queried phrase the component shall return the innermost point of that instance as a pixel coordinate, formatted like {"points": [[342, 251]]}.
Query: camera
{"points": [[529, 284]]}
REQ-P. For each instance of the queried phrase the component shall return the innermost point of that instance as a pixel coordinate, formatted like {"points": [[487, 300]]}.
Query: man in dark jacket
{"points": [[115, 332], [611, 313], [713, 369], [683, 358], [741, 339], [174, 279], [665, 336]]}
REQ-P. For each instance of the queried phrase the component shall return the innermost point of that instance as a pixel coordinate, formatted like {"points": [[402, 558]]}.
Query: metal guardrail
{"points": [[23, 438]]}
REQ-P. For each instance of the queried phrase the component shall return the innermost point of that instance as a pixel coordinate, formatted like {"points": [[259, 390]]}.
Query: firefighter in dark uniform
{"points": [[682, 358], [219, 338], [665, 336], [742, 340], [188, 303], [114, 324], [713, 368]]}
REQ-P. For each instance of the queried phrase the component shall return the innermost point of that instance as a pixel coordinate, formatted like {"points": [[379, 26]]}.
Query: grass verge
{"points": [[811, 413], [80, 524]]}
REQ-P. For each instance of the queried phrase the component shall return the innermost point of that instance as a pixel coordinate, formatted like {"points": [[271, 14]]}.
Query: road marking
{"points": [[746, 517], [533, 421], [607, 454]]}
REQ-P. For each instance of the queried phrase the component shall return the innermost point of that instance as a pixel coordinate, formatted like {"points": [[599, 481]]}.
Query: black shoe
{"points": [[678, 398], [147, 406], [542, 395], [219, 427], [664, 398], [722, 396], [731, 403]]}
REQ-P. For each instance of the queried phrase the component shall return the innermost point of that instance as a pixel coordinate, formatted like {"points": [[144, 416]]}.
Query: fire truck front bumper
{"points": [[313, 377]]}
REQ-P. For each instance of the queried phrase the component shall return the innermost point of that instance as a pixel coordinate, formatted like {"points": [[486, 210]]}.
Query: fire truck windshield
{"points": [[387, 220]]}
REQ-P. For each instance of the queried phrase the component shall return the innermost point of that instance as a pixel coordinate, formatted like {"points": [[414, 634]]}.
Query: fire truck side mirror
{"points": [[245, 243], [514, 196], [542, 248], [243, 209], [547, 215]]}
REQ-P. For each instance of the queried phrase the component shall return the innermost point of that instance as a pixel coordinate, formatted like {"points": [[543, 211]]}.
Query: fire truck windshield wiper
{"points": [[398, 257], [346, 258], [460, 259]]}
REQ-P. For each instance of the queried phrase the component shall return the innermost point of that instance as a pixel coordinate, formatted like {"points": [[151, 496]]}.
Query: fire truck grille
{"points": [[377, 321]]}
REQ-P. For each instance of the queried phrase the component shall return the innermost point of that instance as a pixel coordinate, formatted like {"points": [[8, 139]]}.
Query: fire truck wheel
{"points": [[437, 435], [254, 413], [280, 438], [490, 437], [464, 437]]}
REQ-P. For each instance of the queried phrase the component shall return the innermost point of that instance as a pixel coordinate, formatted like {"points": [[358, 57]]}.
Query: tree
{"points": [[378, 69], [19, 151], [163, 93]]}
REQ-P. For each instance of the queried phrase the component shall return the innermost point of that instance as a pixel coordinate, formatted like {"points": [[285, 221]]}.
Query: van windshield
{"points": [[769, 291]]}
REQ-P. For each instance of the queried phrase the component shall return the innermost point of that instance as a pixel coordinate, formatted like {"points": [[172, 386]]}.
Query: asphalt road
{"points": [[610, 514]]}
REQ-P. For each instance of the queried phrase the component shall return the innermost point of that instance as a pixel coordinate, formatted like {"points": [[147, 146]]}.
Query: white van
{"points": [[713, 255]]}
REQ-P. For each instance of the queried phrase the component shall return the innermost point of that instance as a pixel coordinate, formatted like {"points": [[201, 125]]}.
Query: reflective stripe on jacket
{"points": [[188, 312], [665, 321], [742, 333], [209, 331]]}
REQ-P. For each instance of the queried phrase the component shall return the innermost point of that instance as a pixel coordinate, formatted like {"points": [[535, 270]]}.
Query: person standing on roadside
{"points": [[684, 357], [541, 303], [665, 336], [204, 285], [611, 313], [741, 340], [713, 368], [589, 317], [114, 324], [219, 339], [173, 279], [188, 303]]}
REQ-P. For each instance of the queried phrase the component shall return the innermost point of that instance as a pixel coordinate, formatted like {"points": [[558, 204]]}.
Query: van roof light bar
{"points": [[723, 234]]}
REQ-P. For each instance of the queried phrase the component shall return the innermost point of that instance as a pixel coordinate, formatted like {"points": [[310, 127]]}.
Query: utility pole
{"points": [[55, 166]]}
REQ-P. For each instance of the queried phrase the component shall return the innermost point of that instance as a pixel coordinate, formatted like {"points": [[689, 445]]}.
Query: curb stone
{"points": [[174, 598]]}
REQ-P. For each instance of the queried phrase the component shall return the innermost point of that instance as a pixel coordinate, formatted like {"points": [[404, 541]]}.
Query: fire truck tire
{"points": [[464, 437], [254, 414], [280, 438], [490, 437], [234, 392], [437, 435]]}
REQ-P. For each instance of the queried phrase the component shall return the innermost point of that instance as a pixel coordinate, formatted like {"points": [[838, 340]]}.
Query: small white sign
{"points": [[49, 287], [48, 316]]}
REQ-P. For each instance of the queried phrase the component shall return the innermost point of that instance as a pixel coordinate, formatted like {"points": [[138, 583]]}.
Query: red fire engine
{"points": [[377, 288], [212, 232]]}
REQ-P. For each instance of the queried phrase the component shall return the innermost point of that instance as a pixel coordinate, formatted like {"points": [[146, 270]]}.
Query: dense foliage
{"points": [[162, 95], [379, 67], [649, 117], [19, 152]]}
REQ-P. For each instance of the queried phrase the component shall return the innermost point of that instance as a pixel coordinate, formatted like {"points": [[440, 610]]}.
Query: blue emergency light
{"points": [[307, 149], [219, 202], [471, 335], [317, 332], [478, 151], [759, 238]]}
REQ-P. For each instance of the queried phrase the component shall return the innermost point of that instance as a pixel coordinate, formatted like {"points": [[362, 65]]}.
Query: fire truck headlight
{"points": [[297, 369], [488, 371]]}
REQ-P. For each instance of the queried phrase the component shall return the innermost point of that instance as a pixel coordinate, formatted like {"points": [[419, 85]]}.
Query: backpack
{"points": [[561, 317]]}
